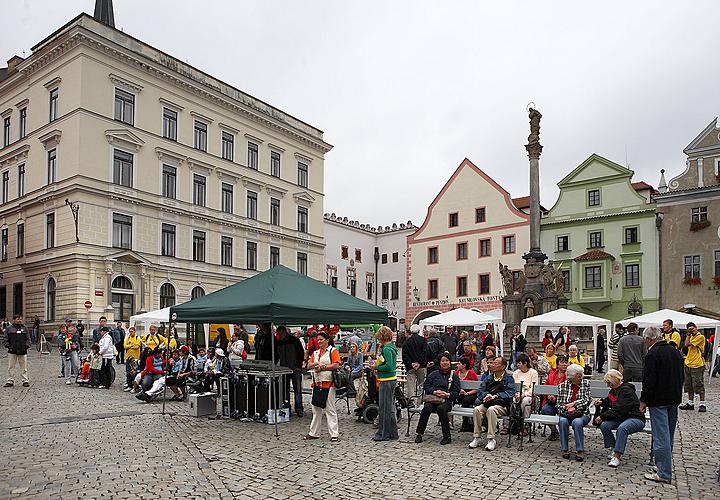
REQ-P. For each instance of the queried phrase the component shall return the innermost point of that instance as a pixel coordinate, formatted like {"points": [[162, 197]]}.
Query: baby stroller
{"points": [[368, 398]]}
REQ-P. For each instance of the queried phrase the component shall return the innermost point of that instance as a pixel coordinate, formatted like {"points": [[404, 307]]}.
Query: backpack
{"points": [[515, 418], [340, 376], [435, 347]]}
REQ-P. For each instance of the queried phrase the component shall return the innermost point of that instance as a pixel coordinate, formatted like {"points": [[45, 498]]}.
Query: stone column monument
{"points": [[539, 289]]}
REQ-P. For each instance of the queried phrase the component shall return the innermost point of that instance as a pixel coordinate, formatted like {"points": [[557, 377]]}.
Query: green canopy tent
{"points": [[279, 296]]}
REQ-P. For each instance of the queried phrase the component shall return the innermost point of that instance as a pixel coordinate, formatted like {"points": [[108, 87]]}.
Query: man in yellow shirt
{"points": [[670, 334], [153, 340], [694, 368]]}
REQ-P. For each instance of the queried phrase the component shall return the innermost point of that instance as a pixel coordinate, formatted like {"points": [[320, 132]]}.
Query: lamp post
{"points": [[75, 208]]}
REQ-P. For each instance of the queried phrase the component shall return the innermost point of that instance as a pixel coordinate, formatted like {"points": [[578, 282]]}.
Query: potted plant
{"points": [[692, 281], [697, 226]]}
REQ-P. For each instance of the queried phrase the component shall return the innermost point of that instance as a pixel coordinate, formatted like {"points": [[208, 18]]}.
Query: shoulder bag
{"points": [[437, 400]]}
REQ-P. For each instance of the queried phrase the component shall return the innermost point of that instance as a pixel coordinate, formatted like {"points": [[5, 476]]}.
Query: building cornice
{"points": [[14, 156], [367, 228], [125, 84], [574, 220]]}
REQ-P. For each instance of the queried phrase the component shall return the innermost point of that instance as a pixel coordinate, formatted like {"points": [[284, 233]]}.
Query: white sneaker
{"points": [[611, 454], [127, 389], [68, 382], [474, 443], [614, 462], [490, 446]]}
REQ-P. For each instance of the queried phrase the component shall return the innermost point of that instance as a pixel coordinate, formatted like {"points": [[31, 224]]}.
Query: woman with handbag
{"points": [[573, 406], [322, 362], [386, 369], [441, 389]]}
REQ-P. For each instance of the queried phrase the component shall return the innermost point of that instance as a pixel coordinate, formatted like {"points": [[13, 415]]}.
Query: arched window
{"points": [[122, 282], [197, 292], [50, 300], [167, 295]]}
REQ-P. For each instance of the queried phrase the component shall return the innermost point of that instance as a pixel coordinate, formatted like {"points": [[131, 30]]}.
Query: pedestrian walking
{"points": [[694, 368], [662, 393], [631, 353], [17, 342], [386, 368]]}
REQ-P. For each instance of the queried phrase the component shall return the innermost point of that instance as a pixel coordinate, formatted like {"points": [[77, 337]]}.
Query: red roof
{"points": [[642, 186], [524, 202], [594, 255]]}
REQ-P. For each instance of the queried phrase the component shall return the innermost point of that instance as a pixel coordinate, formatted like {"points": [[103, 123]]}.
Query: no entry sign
{"points": [[88, 304]]}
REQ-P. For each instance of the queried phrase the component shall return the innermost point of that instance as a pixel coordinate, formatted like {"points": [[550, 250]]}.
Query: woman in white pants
{"points": [[323, 361]]}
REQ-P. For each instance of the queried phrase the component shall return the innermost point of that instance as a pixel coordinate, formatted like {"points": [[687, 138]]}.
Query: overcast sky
{"points": [[405, 90]]}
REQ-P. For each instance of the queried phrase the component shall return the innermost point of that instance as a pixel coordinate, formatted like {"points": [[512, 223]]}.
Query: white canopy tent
{"points": [[680, 320], [161, 316], [464, 317], [567, 317]]}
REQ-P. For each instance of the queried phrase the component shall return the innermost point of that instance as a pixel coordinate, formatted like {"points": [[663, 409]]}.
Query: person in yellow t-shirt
{"points": [[132, 343], [670, 334], [574, 357], [153, 340], [694, 368], [550, 356]]}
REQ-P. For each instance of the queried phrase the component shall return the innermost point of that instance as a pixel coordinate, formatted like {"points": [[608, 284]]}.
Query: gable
{"points": [[595, 168], [708, 138]]}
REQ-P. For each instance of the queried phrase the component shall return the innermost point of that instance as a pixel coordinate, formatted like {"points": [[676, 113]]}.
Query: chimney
{"points": [[12, 64], [104, 12]]}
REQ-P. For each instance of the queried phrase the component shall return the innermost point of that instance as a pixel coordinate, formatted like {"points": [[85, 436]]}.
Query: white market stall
{"points": [[680, 320], [568, 317], [161, 316], [465, 317]]}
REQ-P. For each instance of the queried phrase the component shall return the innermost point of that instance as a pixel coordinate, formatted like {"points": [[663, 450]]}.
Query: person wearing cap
{"points": [[216, 368]]}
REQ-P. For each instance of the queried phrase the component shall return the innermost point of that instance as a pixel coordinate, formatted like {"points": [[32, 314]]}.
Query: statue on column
{"points": [[529, 308], [507, 279], [534, 115]]}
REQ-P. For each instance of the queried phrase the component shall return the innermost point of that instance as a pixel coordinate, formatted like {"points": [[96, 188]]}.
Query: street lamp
{"points": [[75, 208], [635, 307]]}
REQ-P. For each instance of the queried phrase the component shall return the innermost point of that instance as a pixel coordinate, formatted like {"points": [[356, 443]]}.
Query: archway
{"points": [[428, 313], [123, 298]]}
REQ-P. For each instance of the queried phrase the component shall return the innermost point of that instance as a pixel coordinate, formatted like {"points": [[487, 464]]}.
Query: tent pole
{"points": [[272, 380]]}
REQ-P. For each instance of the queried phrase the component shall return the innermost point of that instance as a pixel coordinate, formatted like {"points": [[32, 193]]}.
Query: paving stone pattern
{"points": [[68, 442]]}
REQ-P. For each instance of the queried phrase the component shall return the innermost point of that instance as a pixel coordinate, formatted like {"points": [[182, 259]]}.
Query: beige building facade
{"points": [[184, 184]]}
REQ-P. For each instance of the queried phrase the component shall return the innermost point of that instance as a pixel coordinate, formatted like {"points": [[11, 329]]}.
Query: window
{"points": [[170, 118], [274, 256], [49, 300], [167, 295], [631, 235], [6, 131], [595, 239], [21, 180], [699, 214], [228, 146], [227, 198], [226, 251], [20, 243], [122, 231], [302, 174], [484, 284], [592, 277], [18, 298], [432, 289], [385, 290], [462, 286], [692, 266], [274, 211], [353, 287], [54, 96], [453, 219], [122, 168], [51, 166], [395, 290], [344, 252], [251, 255], [461, 252], [252, 157], [169, 182], [199, 246], [168, 240], [274, 163], [358, 255], [516, 280], [717, 263], [124, 106], [594, 198], [369, 290], [302, 263], [479, 215], [23, 123], [199, 191], [50, 231], [485, 248], [563, 243], [6, 186], [251, 205], [4, 244], [509, 244], [632, 275], [395, 257], [383, 258], [200, 136], [302, 220], [566, 280], [433, 255]]}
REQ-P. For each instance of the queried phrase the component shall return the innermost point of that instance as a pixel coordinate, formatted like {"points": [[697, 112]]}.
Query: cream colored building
{"points": [[184, 184], [471, 226]]}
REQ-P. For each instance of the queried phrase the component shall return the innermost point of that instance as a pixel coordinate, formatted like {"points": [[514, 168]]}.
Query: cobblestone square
{"points": [[68, 441]]}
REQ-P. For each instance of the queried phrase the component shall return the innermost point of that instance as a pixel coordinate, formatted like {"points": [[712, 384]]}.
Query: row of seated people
{"points": [[619, 411]]}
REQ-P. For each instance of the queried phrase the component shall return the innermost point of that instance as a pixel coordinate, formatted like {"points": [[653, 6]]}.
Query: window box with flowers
{"points": [[692, 281], [697, 226]]}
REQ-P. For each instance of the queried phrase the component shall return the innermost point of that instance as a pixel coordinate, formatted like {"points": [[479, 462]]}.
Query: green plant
{"points": [[697, 226]]}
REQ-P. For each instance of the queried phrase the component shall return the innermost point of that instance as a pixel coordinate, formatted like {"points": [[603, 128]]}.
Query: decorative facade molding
{"points": [[201, 117], [226, 175], [303, 198], [344, 221], [275, 147], [170, 104], [276, 192], [22, 103], [55, 82], [165, 155], [51, 139], [124, 84], [6, 113], [124, 138], [253, 138], [303, 158], [200, 166], [228, 128], [14, 156], [252, 184]]}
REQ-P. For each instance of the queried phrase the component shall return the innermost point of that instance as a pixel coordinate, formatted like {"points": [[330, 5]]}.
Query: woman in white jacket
{"points": [[237, 348]]}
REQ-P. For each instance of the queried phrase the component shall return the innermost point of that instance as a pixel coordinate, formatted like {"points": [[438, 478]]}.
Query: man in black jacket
{"points": [[17, 342], [662, 379], [414, 357], [291, 355]]}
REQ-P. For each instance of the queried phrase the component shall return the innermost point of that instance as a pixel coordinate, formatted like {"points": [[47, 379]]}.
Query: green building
{"points": [[602, 233]]}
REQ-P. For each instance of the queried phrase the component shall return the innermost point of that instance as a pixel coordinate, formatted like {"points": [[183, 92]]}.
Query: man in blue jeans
{"points": [[663, 378]]}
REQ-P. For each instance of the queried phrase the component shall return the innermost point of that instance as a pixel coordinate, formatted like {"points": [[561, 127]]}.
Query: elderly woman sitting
{"points": [[621, 411], [573, 404], [574, 357]]}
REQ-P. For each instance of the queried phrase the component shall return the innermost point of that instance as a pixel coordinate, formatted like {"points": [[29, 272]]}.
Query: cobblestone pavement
{"points": [[67, 441]]}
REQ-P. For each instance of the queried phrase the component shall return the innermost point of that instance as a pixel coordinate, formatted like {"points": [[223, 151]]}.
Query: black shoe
{"points": [[26, 384], [418, 438], [300, 414], [445, 440], [553, 436], [686, 406], [8, 384], [702, 409]]}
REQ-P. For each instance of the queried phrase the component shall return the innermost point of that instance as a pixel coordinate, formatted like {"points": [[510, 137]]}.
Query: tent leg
{"points": [[272, 382]]}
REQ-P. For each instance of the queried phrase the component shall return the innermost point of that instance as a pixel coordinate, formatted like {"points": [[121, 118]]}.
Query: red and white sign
{"points": [[88, 304]]}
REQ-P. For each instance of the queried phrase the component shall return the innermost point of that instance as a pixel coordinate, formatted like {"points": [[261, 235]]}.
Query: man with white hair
{"points": [[414, 357], [662, 379]]}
